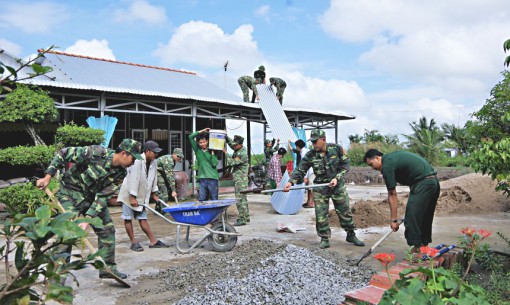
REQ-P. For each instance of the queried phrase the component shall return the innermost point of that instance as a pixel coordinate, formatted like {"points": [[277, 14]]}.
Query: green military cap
{"points": [[316, 134], [133, 147], [262, 68], [267, 141], [178, 153], [238, 140]]}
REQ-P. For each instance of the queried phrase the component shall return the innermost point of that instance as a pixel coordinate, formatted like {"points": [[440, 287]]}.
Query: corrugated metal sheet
{"points": [[274, 114], [79, 72]]}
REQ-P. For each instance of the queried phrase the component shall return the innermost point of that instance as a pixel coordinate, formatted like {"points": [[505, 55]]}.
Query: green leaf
{"points": [[413, 293]]}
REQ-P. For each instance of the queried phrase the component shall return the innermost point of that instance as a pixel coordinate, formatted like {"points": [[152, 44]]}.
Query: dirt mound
{"points": [[464, 195]]}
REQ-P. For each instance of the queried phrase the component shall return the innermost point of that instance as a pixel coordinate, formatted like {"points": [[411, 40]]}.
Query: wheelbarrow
{"points": [[198, 214]]}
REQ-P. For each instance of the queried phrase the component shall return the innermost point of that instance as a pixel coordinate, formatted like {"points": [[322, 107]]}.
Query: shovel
{"points": [[261, 191], [377, 244], [87, 243]]}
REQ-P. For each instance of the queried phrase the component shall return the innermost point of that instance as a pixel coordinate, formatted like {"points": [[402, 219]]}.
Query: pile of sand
{"points": [[464, 195]]}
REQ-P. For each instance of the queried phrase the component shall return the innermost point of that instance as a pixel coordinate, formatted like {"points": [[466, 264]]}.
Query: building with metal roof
{"points": [[152, 102]]}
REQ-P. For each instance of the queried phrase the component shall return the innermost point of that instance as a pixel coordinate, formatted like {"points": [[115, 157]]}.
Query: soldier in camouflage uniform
{"points": [[269, 149], [259, 75], [85, 188], [330, 164], [247, 82], [239, 163], [280, 85], [166, 178]]}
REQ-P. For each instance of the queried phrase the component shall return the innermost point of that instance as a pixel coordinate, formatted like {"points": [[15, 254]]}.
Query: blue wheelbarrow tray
{"points": [[198, 212]]}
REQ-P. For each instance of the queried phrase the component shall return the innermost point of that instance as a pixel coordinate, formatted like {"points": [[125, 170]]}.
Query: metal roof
{"points": [[88, 73], [79, 72]]}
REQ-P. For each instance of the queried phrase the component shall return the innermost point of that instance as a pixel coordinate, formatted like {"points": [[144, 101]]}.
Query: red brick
{"points": [[369, 294]]}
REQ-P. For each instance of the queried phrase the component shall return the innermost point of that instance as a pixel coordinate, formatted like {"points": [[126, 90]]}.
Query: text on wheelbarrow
{"points": [[191, 213]]}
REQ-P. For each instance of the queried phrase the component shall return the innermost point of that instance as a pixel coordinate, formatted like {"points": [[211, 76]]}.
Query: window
{"points": [[176, 142], [139, 135]]}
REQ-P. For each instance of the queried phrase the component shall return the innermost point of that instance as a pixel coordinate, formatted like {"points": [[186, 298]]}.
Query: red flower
{"points": [[385, 258], [484, 233], [430, 252], [467, 231]]}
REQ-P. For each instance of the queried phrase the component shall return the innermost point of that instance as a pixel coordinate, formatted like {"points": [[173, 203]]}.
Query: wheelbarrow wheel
{"points": [[221, 242]]}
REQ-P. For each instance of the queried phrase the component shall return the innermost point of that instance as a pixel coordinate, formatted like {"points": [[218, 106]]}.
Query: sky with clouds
{"points": [[387, 62]]}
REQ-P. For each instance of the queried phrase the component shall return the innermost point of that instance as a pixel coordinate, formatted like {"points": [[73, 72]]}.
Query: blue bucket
{"points": [[198, 212]]}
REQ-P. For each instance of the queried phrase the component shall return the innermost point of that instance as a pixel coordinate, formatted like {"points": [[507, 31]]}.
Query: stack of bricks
{"points": [[380, 282]]}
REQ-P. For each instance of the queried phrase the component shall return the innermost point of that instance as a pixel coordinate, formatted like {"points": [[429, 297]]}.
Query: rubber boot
{"points": [[324, 243], [351, 238], [240, 222], [106, 275]]}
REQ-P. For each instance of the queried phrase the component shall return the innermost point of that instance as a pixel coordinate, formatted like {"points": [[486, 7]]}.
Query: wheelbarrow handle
{"points": [[297, 188]]}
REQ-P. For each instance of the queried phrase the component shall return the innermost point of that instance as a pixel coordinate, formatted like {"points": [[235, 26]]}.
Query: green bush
{"points": [[457, 161], [73, 135], [23, 197], [27, 155]]}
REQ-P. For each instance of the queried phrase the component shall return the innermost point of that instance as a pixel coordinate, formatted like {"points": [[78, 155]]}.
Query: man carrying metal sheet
{"points": [[280, 85], [330, 164], [240, 164], [246, 83]]}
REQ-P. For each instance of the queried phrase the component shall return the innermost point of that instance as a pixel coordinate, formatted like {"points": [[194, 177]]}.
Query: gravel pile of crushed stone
{"points": [[260, 272]]}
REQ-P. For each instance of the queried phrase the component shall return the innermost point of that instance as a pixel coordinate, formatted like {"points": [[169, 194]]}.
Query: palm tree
{"points": [[426, 139]]}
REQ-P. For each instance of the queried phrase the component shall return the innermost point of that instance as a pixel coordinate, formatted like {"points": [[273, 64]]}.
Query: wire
{"points": [[242, 122]]}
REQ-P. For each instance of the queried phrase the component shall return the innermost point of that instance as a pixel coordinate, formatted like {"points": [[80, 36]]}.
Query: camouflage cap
{"points": [[178, 153], [262, 68], [317, 134], [133, 147], [268, 141], [238, 140]]}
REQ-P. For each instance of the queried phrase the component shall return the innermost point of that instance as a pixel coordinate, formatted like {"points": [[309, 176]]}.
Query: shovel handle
{"points": [[87, 243], [297, 188], [377, 243]]}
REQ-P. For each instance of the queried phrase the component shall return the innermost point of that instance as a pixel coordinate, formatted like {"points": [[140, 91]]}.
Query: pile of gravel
{"points": [[261, 272]]}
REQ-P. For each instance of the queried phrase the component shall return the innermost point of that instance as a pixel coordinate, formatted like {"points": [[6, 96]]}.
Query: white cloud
{"points": [[33, 17], [452, 44], [10, 47], [207, 45], [263, 12], [141, 10], [92, 48]]}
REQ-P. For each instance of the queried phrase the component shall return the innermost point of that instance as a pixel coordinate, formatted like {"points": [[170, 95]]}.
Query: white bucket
{"points": [[217, 139]]}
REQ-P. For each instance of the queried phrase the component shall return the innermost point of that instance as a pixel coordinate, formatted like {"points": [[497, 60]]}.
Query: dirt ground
{"points": [[468, 200]]}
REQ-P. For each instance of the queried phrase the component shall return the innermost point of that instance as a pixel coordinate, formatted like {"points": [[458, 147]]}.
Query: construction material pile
{"points": [[257, 272]]}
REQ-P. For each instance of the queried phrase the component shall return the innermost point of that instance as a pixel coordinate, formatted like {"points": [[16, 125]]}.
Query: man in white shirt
{"points": [[139, 186]]}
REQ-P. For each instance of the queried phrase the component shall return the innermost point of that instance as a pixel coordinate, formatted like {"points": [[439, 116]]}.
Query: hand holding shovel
{"points": [[377, 243]]}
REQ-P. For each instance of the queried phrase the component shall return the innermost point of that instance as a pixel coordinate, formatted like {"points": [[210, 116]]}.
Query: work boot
{"points": [[240, 222], [324, 243], [105, 275], [351, 237]]}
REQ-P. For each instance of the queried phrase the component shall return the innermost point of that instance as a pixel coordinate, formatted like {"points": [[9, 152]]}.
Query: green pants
{"points": [[420, 212], [340, 200], [241, 183], [74, 202]]}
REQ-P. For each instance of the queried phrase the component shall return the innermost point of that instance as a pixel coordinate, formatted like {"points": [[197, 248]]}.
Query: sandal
{"points": [[136, 247], [159, 244]]}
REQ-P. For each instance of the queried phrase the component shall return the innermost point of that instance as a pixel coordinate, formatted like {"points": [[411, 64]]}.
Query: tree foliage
{"points": [[39, 155], [506, 47], [426, 139], [73, 135], [10, 75], [30, 106], [492, 127]]}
